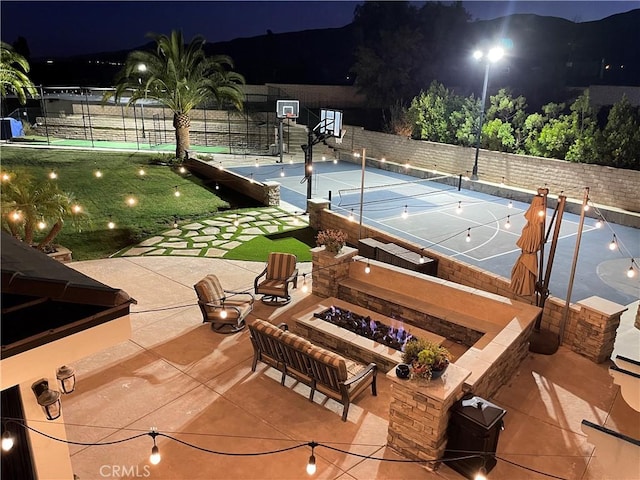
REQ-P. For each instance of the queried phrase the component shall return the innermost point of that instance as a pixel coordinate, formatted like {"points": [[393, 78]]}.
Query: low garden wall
{"points": [[267, 193], [591, 324]]}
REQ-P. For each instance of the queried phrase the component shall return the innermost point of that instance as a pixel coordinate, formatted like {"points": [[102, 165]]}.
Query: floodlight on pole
{"points": [[141, 69], [492, 56]]}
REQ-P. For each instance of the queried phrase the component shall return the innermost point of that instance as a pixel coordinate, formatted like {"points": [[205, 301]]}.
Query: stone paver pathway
{"points": [[217, 236]]}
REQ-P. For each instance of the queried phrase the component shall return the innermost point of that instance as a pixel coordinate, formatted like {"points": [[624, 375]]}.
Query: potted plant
{"points": [[426, 359], [333, 240]]}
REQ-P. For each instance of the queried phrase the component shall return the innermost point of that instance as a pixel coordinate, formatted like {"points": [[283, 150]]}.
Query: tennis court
{"points": [[464, 224]]}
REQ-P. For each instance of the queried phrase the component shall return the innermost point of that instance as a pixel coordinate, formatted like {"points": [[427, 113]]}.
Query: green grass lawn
{"points": [[105, 198]]}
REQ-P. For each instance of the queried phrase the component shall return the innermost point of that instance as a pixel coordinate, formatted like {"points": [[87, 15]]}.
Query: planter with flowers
{"points": [[426, 360], [333, 240]]}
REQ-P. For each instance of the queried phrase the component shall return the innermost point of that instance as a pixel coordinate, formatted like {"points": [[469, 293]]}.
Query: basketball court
{"points": [[477, 228]]}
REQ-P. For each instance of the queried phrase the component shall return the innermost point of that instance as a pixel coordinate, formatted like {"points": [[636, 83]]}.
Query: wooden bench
{"points": [[322, 370]]}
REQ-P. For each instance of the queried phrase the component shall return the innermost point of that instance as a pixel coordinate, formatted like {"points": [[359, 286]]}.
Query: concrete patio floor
{"points": [[176, 374]]}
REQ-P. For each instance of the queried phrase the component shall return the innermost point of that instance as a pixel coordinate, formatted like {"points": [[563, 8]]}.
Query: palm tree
{"points": [[29, 206], [13, 78], [180, 77]]}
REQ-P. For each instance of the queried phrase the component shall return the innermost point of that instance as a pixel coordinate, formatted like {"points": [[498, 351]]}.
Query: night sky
{"points": [[62, 28]]}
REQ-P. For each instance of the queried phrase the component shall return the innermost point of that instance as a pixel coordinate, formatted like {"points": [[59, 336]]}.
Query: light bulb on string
{"points": [[217, 186], [305, 287], [42, 224], [367, 268], [220, 166], [631, 273], [98, 174], [282, 171], [257, 163], [421, 256], [468, 239], [405, 212], [481, 474], [383, 160], [110, 223], [53, 175], [176, 193], [5, 177], [236, 222], [324, 159], [155, 457], [510, 204], [613, 245], [296, 220], [599, 223], [141, 172], [459, 209], [586, 205], [309, 168], [351, 217], [407, 166], [76, 208], [7, 441], [502, 182], [465, 177], [335, 161], [175, 221], [131, 200], [16, 216], [541, 212], [223, 312], [251, 177], [507, 224], [291, 161], [182, 170]]}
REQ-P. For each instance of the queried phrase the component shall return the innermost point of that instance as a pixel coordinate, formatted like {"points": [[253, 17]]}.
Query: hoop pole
{"points": [[364, 161]]}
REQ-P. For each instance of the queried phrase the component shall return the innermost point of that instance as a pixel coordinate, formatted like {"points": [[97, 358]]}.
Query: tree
{"points": [[621, 136], [180, 77], [507, 134], [13, 74], [30, 206]]}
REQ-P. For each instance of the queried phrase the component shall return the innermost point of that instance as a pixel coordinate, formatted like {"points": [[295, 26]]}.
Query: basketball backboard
{"points": [[287, 108], [330, 123]]}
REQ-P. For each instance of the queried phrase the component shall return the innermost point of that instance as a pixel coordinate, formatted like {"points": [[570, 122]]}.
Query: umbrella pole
{"points": [[547, 343]]}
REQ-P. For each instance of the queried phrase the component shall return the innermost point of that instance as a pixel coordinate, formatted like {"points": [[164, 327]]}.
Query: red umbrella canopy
{"points": [[525, 271]]}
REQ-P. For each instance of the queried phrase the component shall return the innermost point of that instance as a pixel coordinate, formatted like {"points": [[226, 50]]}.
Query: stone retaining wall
{"points": [[590, 325], [267, 193]]}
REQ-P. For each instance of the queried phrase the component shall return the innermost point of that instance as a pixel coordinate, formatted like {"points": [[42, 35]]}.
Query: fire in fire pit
{"points": [[367, 327]]}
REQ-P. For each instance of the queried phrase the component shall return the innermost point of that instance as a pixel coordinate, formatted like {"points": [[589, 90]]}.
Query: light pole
{"points": [[495, 54], [141, 69], [364, 163]]}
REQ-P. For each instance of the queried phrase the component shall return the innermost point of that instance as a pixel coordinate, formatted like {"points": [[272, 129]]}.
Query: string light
{"points": [[383, 160], [175, 222], [296, 221], [351, 217], [468, 239], [613, 245], [586, 205], [251, 177], [305, 287], [7, 441], [5, 177], [309, 168], [257, 163], [16, 215], [282, 171], [291, 161], [182, 169], [502, 182], [631, 273], [177, 192], [367, 268], [311, 464], [421, 256], [53, 175], [324, 158], [405, 212], [217, 186], [220, 166], [236, 221], [510, 204], [223, 312], [541, 212], [131, 200], [42, 224], [76, 208], [481, 475], [141, 172], [407, 166], [459, 209], [507, 224], [466, 176], [98, 173], [335, 161], [155, 457], [110, 224]]}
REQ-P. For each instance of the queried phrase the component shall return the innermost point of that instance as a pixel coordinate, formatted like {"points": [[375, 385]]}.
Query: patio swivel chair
{"points": [[279, 273], [225, 309]]}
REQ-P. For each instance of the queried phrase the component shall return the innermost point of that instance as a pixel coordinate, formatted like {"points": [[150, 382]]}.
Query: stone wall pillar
{"points": [[315, 206], [419, 413], [329, 270], [595, 331]]}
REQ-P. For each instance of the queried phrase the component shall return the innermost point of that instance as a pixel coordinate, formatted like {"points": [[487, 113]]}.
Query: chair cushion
{"points": [[280, 265], [267, 328], [209, 290], [272, 287], [296, 341], [329, 358]]}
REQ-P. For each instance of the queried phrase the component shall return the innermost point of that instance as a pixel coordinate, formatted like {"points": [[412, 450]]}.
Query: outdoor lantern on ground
{"points": [[48, 399], [66, 378]]}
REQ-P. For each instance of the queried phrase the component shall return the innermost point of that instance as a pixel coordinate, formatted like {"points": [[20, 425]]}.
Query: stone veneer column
{"points": [[315, 206], [329, 269], [596, 328], [419, 413]]}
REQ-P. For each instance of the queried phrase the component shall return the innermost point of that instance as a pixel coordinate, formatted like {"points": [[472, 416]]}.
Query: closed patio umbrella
{"points": [[525, 271]]}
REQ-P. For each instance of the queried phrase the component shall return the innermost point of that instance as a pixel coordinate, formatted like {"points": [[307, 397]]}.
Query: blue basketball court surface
{"points": [[476, 228]]}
